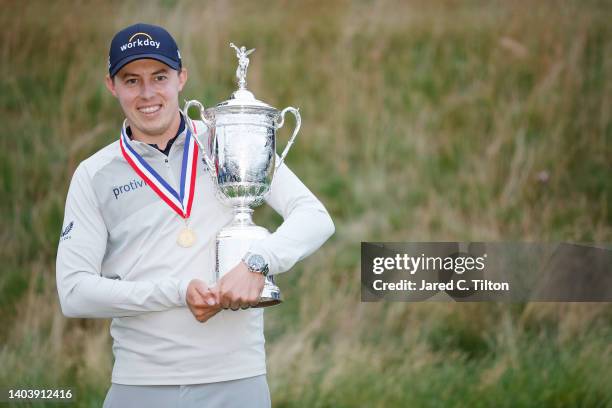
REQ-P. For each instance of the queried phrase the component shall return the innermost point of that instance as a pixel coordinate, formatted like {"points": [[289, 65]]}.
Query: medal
{"points": [[186, 238], [180, 201]]}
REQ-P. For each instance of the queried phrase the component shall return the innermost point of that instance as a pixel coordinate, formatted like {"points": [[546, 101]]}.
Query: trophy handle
{"points": [[208, 123], [298, 123]]}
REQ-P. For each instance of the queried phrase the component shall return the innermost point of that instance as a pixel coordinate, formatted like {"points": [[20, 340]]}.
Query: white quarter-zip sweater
{"points": [[118, 258]]}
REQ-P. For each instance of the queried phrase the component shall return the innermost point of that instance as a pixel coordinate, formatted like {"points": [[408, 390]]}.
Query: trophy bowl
{"points": [[245, 152]]}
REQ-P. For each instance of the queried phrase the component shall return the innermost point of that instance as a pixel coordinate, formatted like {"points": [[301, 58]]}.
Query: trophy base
{"points": [[233, 242], [270, 295]]}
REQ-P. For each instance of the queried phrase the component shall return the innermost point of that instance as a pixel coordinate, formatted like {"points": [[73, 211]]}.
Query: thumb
{"points": [[206, 294]]}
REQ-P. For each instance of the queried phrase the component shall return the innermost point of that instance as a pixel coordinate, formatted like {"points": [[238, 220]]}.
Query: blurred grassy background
{"points": [[422, 121]]}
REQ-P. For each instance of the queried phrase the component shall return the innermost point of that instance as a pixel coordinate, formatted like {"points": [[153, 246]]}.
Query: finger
{"points": [[254, 297], [236, 304], [254, 302], [209, 295], [194, 298], [225, 302], [215, 290], [202, 289], [210, 298]]}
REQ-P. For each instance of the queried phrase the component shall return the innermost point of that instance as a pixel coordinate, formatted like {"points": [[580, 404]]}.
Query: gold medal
{"points": [[186, 238]]}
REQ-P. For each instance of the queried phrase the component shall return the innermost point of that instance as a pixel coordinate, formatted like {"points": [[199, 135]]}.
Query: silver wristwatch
{"points": [[256, 263]]}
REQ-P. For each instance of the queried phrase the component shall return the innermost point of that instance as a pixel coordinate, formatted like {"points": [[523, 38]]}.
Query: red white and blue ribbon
{"points": [[180, 201]]}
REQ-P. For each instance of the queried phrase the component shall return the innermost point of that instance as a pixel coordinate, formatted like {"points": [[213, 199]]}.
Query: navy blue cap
{"points": [[140, 41]]}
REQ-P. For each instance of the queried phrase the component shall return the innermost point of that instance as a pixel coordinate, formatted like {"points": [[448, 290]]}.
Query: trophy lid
{"points": [[242, 97]]}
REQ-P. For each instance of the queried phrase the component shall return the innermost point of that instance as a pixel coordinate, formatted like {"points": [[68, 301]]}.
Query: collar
{"points": [[166, 151]]}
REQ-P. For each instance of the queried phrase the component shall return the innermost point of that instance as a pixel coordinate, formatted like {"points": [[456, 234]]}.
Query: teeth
{"points": [[150, 109]]}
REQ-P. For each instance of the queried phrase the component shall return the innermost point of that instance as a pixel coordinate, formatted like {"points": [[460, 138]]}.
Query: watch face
{"points": [[256, 262]]}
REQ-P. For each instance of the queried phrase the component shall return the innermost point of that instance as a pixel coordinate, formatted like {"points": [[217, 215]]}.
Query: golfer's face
{"points": [[148, 93]]}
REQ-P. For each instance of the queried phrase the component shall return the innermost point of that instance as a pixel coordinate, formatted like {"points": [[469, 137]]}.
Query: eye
{"points": [[160, 78], [131, 81]]}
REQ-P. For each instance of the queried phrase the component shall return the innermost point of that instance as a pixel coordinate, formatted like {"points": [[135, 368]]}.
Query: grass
{"points": [[421, 121]]}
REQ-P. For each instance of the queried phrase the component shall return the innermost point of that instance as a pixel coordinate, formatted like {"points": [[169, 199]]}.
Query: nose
{"points": [[146, 90]]}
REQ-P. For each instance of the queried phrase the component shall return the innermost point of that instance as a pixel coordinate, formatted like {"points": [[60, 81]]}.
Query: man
{"points": [[176, 340]]}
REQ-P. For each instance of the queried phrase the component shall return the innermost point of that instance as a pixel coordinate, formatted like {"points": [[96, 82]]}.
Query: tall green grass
{"points": [[421, 121]]}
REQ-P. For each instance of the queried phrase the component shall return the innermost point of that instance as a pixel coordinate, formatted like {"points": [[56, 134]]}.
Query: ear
{"points": [[110, 85], [182, 78]]}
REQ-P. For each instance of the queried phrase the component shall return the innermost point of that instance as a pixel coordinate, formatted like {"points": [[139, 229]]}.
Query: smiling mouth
{"points": [[149, 109]]}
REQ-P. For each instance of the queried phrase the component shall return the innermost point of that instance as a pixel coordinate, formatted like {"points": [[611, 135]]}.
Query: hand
{"points": [[239, 288], [202, 301]]}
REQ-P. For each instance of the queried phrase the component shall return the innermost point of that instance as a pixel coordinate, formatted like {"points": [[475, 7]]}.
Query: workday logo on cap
{"points": [[140, 41]]}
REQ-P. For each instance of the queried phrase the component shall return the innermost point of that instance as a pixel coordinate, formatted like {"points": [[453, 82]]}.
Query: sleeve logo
{"points": [[66, 231]]}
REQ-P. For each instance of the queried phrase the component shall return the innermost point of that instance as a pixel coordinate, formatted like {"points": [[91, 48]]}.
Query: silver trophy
{"points": [[241, 157]]}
